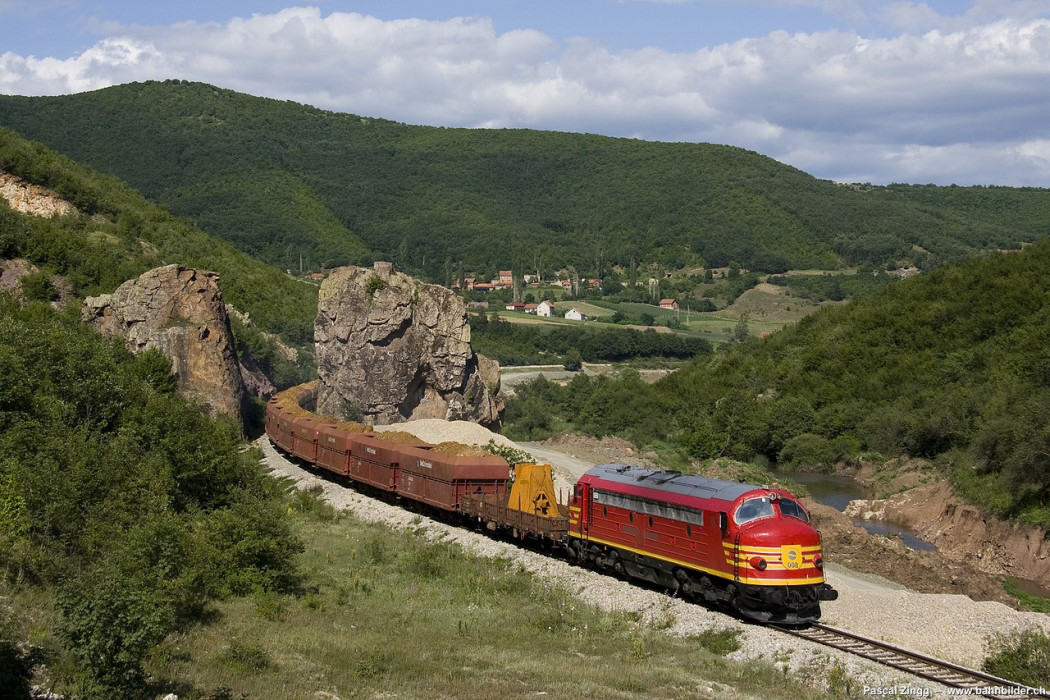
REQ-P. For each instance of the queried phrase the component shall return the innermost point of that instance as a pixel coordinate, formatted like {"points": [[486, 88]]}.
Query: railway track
{"points": [[927, 667]]}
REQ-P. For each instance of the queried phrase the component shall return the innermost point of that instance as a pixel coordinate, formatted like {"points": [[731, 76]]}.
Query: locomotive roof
{"points": [[689, 485]]}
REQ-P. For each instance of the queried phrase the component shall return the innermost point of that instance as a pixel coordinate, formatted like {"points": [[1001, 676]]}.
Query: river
{"points": [[837, 491]]}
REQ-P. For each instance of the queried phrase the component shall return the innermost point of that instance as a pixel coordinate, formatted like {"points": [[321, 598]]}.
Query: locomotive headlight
{"points": [[818, 561], [758, 563]]}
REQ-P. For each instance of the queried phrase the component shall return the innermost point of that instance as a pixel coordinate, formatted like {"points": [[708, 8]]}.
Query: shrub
{"points": [[572, 362], [37, 286], [806, 451], [1023, 657], [721, 642], [110, 621]]}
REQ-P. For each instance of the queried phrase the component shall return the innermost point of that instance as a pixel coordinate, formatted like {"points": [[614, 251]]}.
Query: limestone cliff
{"points": [[181, 312], [390, 348]]}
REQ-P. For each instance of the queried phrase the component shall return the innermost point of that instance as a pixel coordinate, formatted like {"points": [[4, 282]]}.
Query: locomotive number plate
{"points": [[791, 555]]}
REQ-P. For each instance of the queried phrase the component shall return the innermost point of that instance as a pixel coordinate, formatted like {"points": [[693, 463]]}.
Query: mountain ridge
{"points": [[289, 182]]}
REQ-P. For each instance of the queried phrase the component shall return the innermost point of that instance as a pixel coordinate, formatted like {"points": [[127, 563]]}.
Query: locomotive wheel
{"points": [[731, 597]]}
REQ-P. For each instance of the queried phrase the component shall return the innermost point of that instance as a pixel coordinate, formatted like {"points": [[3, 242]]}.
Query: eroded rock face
{"points": [[27, 198], [391, 349], [181, 312]]}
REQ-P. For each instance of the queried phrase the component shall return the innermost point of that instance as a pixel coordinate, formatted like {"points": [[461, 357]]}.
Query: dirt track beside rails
{"points": [[947, 625]]}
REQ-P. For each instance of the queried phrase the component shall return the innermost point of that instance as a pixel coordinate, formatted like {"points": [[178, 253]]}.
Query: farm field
{"points": [[768, 308]]}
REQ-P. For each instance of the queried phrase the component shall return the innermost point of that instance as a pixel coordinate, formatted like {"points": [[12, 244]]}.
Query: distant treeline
{"points": [[953, 366], [519, 344]]}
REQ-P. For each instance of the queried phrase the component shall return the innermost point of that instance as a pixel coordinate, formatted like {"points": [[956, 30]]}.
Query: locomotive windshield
{"points": [[753, 509], [793, 509]]}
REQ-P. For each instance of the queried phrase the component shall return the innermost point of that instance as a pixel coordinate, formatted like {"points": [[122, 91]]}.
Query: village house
{"points": [[545, 308], [506, 278], [669, 304], [516, 306], [575, 314]]}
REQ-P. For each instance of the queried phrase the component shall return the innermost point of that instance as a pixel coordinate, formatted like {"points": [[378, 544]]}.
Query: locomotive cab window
{"points": [[793, 509], [753, 509]]}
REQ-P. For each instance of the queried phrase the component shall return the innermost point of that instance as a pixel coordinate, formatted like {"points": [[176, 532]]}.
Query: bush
{"points": [[124, 497], [110, 621], [37, 286], [807, 451], [1023, 657], [573, 362], [721, 642]]}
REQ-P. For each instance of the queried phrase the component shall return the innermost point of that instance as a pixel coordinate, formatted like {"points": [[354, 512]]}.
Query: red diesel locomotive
{"points": [[747, 548], [731, 543]]}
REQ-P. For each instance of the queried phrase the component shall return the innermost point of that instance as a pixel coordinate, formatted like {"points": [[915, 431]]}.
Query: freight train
{"points": [[736, 545]]}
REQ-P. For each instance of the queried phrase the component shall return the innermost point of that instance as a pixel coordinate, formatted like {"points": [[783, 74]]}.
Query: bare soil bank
{"points": [[963, 533]]}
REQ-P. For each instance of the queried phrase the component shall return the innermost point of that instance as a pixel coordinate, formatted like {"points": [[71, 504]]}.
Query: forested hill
{"points": [[287, 182], [118, 235], [953, 367]]}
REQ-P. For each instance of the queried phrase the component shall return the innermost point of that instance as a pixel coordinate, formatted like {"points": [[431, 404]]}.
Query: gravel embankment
{"points": [[952, 627]]}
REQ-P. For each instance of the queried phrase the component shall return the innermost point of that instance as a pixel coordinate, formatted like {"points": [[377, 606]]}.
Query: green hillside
{"points": [[124, 510], [953, 366], [119, 235], [287, 182]]}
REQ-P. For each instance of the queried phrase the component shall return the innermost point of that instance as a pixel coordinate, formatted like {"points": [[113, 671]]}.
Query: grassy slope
{"points": [[392, 612]]}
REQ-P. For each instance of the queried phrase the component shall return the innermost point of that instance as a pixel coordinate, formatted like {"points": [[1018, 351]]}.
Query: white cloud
{"points": [[963, 105]]}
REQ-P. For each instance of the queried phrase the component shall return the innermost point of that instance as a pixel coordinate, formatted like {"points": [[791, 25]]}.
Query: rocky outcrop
{"points": [[390, 348], [12, 272], [963, 532], [28, 198], [180, 311]]}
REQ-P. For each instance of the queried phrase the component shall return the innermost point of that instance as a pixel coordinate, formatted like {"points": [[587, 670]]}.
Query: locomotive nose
{"points": [[774, 532]]}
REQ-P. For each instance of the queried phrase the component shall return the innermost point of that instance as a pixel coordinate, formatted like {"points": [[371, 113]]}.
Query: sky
{"points": [[857, 91]]}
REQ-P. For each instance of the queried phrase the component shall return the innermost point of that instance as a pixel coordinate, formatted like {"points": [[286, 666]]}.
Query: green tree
{"points": [[740, 331], [572, 361], [38, 286]]}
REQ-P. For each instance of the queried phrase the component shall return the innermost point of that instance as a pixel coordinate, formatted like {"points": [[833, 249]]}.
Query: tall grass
{"points": [[391, 613]]}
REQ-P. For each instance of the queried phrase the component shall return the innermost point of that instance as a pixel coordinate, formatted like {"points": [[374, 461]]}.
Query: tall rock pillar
{"points": [[390, 349], [181, 312]]}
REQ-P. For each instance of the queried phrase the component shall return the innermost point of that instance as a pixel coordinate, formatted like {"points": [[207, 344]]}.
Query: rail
{"points": [[921, 665]]}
